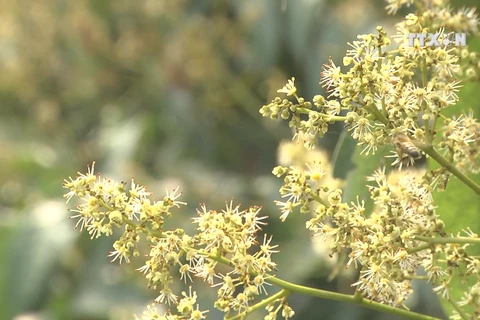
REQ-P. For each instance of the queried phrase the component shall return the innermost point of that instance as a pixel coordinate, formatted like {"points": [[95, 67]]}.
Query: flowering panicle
{"points": [[230, 232], [381, 243], [385, 245], [392, 95], [380, 90]]}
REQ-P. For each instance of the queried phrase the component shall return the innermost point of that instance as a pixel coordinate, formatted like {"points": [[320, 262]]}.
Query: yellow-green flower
{"points": [[289, 88]]}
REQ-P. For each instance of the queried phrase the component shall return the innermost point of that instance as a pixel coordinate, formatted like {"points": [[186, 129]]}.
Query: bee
{"points": [[407, 152]]}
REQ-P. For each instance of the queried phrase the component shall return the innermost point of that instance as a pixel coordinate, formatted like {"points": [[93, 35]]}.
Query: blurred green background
{"points": [[167, 92]]}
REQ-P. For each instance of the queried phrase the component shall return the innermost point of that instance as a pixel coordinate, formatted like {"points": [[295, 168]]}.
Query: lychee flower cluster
{"points": [[393, 91], [389, 244], [300, 188], [379, 96], [381, 242], [226, 237], [460, 142]]}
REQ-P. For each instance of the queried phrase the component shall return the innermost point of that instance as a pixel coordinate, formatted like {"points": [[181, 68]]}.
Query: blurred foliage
{"points": [[168, 92]]}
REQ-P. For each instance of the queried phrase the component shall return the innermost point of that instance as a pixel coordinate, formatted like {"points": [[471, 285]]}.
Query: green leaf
{"points": [[342, 155]]}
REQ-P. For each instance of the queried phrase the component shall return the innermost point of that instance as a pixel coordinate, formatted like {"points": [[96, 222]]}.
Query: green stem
{"points": [[104, 204], [447, 240], [424, 72], [261, 304], [428, 149], [319, 199], [419, 248], [323, 115], [459, 310], [348, 298], [380, 116]]}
